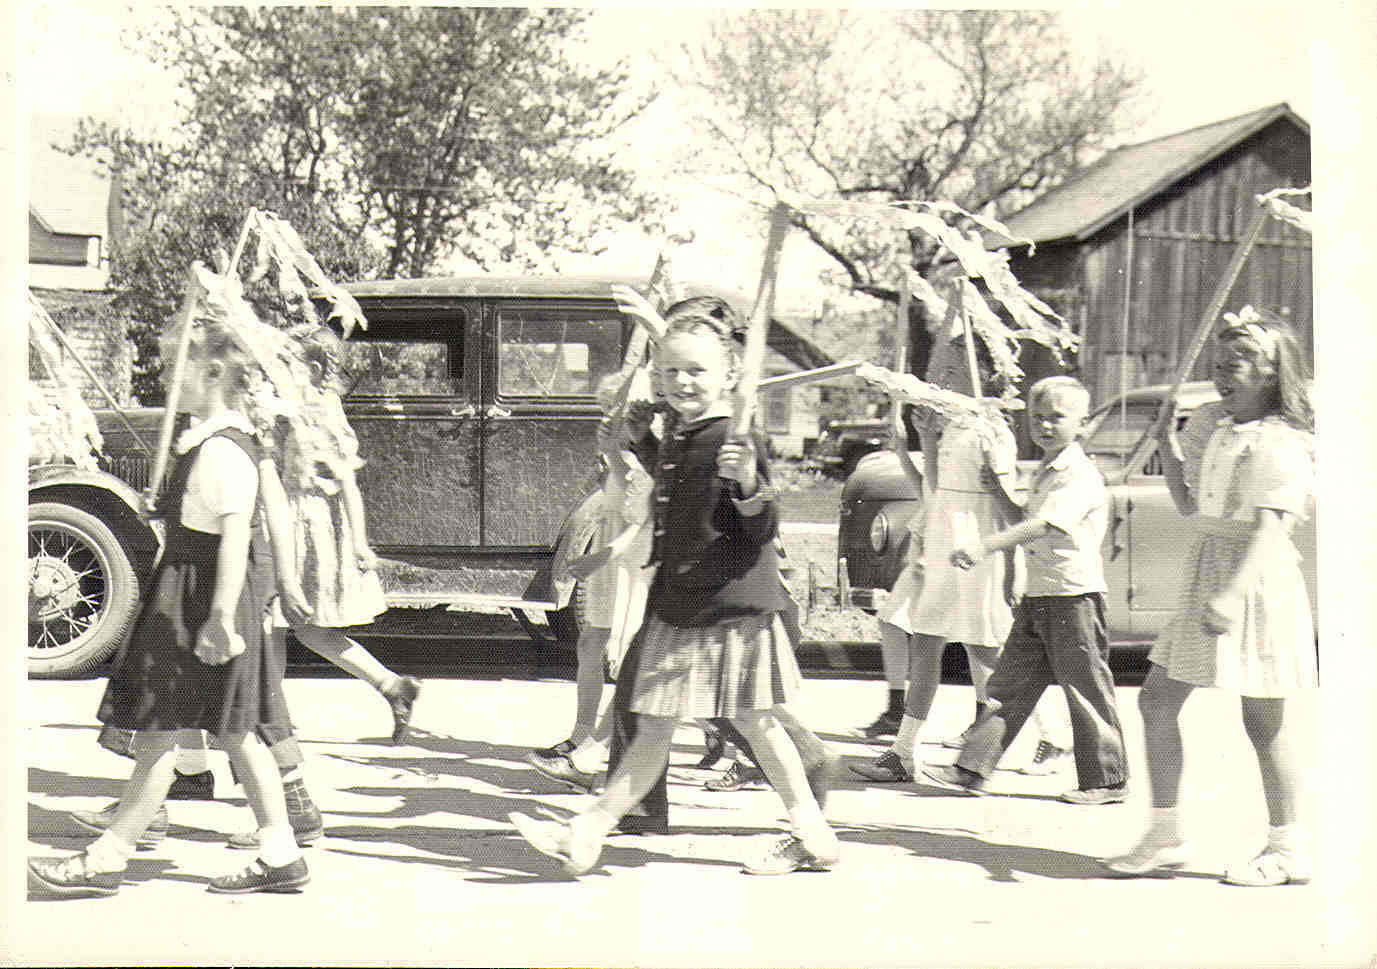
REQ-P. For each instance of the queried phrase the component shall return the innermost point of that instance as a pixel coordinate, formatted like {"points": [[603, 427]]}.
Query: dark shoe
{"points": [[955, 778], [1096, 795], [69, 878], [98, 821], [561, 768], [789, 855], [561, 749], [402, 698], [885, 725], [192, 787], [640, 824], [886, 769], [822, 775], [714, 747], [737, 777], [259, 877]]}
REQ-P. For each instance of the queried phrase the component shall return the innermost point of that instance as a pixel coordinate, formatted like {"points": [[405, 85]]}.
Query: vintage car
{"points": [[1143, 545], [473, 401], [843, 443]]}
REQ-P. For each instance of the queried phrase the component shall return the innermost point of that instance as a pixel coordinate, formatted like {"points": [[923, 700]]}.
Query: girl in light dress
{"points": [[713, 643], [1244, 621], [932, 602], [337, 569]]}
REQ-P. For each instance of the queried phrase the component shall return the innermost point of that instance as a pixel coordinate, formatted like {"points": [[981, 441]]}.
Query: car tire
{"points": [[83, 591]]}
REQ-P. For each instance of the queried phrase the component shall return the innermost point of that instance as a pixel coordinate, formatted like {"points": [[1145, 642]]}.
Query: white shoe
{"points": [[556, 839], [1047, 759], [1149, 858]]}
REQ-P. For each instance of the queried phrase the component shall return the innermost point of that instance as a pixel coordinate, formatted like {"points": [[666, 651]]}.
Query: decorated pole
{"points": [[1202, 332], [753, 359], [969, 337], [808, 376], [182, 325]]}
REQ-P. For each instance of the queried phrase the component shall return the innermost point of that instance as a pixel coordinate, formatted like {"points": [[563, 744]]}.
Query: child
{"points": [[614, 598], [196, 658], [1059, 631], [932, 602], [713, 643], [336, 567], [1244, 620]]}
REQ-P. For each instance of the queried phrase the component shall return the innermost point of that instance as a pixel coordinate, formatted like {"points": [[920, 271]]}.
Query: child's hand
{"points": [[639, 414], [218, 643], [607, 435], [965, 558], [633, 304], [989, 480], [736, 462], [295, 609], [366, 558], [1220, 615]]}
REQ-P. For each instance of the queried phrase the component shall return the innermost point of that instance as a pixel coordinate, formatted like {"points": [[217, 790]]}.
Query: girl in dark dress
{"points": [[196, 658]]}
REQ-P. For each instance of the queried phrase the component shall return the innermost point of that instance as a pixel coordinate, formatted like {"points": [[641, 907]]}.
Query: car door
{"points": [[540, 413], [412, 401]]}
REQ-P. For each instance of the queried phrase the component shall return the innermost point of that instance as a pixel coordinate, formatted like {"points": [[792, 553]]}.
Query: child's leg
{"points": [[779, 759], [155, 755], [894, 657], [591, 646], [1077, 640], [981, 660], [924, 676], [639, 769], [258, 772], [348, 655], [1264, 718]]}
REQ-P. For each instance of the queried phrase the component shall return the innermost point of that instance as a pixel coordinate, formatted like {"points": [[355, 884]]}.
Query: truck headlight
{"points": [[879, 532]]}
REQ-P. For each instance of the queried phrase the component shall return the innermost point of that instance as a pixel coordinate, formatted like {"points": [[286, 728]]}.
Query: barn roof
{"points": [[1128, 176], [67, 195]]}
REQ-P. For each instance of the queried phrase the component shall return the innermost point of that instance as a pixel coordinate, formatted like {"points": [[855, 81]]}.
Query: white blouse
{"points": [[223, 481]]}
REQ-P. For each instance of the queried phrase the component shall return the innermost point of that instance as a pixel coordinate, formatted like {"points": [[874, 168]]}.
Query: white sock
{"points": [[108, 853], [589, 756], [810, 827], [192, 760], [277, 846], [906, 743], [1164, 824], [1282, 838]]}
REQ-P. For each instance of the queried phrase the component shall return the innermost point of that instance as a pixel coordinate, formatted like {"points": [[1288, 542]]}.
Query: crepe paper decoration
{"points": [[1203, 330], [181, 325], [949, 405], [1285, 211], [972, 367], [62, 428], [299, 276], [808, 376], [757, 330]]}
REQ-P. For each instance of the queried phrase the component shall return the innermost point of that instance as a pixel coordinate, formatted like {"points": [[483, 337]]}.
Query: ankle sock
{"points": [[1164, 824], [1282, 838], [589, 756], [277, 846], [906, 743], [595, 824], [108, 853]]}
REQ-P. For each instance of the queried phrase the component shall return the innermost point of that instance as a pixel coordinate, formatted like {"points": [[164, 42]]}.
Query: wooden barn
{"points": [[1131, 250]]}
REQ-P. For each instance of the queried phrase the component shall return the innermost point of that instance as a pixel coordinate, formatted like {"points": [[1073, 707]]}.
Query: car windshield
{"points": [[1117, 428]]}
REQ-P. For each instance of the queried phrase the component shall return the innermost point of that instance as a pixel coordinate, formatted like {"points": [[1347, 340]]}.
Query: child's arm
{"points": [[1173, 467], [353, 507], [1020, 534], [219, 642], [295, 609], [1222, 612]]}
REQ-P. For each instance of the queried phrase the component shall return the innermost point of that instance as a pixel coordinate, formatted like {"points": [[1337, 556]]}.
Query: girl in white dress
{"points": [[1244, 620]]}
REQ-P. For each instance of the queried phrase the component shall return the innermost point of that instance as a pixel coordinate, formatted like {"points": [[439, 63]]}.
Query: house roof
{"points": [[1128, 176], [67, 195]]}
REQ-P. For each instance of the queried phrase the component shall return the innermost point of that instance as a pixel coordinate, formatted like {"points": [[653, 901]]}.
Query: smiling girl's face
{"points": [[1245, 379], [693, 371]]}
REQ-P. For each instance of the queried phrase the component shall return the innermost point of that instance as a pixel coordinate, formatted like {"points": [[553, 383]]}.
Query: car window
{"points": [[403, 368], [556, 352]]}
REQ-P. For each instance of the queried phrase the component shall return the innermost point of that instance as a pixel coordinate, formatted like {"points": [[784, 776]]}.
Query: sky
{"points": [[1201, 64]]}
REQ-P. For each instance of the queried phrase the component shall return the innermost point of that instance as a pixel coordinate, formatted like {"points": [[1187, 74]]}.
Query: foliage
{"points": [[982, 108], [390, 138]]}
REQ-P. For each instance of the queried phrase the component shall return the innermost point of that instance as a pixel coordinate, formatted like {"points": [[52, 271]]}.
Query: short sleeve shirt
{"points": [[223, 481], [1265, 463], [1069, 494]]}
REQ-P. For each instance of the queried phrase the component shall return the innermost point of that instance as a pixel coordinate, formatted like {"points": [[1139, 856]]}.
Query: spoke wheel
{"points": [[83, 591]]}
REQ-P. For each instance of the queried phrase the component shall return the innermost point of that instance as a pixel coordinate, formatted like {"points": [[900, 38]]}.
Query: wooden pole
{"points": [[114, 405], [182, 325], [969, 339], [1202, 333], [753, 359]]}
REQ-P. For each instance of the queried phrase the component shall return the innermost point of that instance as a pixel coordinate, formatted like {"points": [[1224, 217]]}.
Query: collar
{"points": [[715, 412], [1063, 460], [199, 431]]}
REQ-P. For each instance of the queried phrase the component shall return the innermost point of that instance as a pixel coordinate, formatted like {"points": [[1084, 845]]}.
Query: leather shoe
{"points": [[402, 697], [561, 768], [641, 824], [70, 878], [737, 777], [954, 778], [98, 821], [1096, 795], [192, 787], [259, 877], [886, 769]]}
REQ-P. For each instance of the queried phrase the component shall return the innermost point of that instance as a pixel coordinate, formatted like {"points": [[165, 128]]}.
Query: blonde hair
{"points": [[1280, 349], [1061, 387]]}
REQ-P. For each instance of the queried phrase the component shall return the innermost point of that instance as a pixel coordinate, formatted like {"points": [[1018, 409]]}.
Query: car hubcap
{"points": [[67, 588]]}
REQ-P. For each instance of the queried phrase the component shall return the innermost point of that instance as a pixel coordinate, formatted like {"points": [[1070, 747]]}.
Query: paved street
{"points": [[420, 864]]}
